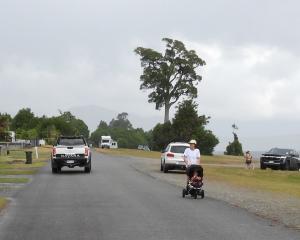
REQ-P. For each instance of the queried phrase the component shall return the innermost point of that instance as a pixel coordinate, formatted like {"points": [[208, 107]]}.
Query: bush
{"points": [[235, 148]]}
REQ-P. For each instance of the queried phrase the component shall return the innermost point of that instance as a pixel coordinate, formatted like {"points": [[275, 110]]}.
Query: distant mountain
{"points": [[92, 115]]}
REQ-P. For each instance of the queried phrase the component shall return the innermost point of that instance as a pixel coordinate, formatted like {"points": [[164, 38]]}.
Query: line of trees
{"points": [[28, 126]]}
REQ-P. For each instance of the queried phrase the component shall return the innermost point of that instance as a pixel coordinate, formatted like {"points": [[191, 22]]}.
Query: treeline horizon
{"points": [[185, 125]]}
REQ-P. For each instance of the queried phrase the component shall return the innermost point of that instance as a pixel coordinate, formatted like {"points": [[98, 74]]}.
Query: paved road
{"points": [[117, 202]]}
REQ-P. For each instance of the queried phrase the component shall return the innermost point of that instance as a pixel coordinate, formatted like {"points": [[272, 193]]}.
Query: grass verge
{"points": [[13, 180], [281, 182], [3, 203], [227, 160]]}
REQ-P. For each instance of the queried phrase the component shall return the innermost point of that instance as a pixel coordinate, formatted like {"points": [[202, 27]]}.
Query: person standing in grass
{"points": [[249, 160]]}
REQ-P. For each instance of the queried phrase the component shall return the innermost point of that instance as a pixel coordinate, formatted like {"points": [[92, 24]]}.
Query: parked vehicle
{"points": [[279, 158], [143, 147], [172, 157], [105, 142], [71, 152]]}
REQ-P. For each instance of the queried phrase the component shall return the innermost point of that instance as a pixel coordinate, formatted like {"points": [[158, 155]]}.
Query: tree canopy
{"points": [[121, 130], [187, 124], [234, 148], [169, 75], [28, 126]]}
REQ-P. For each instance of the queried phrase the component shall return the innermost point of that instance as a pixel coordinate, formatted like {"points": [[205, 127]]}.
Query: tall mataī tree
{"points": [[169, 75]]}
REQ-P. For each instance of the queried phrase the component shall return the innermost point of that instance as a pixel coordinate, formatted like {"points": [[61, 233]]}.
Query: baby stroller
{"points": [[195, 182]]}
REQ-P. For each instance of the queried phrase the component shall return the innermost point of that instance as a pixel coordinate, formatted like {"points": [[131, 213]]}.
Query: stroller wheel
{"points": [[202, 194], [183, 193]]}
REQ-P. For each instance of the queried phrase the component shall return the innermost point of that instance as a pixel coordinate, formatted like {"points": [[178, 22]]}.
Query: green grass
{"points": [[17, 171], [281, 182], [13, 180], [157, 155], [3, 203], [14, 163]]}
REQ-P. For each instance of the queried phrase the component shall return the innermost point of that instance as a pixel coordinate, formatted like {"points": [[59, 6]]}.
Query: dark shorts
{"points": [[248, 162]]}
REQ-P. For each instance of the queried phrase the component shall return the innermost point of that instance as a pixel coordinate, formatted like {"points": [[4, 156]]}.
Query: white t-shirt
{"points": [[192, 156]]}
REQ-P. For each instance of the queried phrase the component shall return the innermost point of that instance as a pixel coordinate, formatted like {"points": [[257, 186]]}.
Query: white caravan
{"points": [[105, 142]]}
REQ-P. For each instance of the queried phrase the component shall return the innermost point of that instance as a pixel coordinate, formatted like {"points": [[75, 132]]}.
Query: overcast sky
{"points": [[64, 54]]}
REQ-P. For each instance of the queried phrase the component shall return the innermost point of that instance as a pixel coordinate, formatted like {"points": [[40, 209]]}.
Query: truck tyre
{"points": [[54, 170], [293, 165], [88, 168], [286, 166], [262, 166]]}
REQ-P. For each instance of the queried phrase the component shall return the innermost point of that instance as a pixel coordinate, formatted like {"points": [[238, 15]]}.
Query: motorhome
{"points": [[105, 142]]}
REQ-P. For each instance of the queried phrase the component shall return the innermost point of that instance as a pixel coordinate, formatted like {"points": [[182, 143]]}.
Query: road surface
{"points": [[116, 201]]}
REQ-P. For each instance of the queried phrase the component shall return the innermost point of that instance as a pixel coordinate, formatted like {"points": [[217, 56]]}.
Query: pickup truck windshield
{"points": [[278, 151], [70, 141]]}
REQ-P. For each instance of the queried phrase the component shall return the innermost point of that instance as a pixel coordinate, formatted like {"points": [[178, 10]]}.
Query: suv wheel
{"points": [[165, 168], [161, 167]]}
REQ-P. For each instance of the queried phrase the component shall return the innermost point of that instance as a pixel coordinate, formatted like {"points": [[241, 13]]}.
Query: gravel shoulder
{"points": [[280, 209]]}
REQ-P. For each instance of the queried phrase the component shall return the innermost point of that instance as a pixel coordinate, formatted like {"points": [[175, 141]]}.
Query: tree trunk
{"points": [[167, 112]]}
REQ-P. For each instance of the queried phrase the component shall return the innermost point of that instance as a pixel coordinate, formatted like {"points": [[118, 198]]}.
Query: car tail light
{"points": [[86, 152], [53, 151], [171, 155]]}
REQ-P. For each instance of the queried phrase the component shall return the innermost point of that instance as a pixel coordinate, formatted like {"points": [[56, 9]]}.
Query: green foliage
{"points": [[24, 119], [186, 125], [121, 130], [235, 148], [169, 75], [28, 126], [5, 120], [121, 121]]}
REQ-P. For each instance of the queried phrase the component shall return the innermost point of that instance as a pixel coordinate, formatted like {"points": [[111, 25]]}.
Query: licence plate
{"points": [[70, 161], [271, 161]]}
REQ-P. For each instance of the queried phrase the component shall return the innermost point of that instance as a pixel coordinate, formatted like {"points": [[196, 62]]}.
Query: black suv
{"points": [[278, 158]]}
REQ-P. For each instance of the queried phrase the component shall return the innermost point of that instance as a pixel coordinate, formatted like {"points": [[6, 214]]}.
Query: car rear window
{"points": [[71, 141], [178, 149]]}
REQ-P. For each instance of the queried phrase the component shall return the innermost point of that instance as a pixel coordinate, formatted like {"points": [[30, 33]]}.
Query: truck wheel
{"points": [[286, 166], [262, 166], [293, 165], [54, 170], [88, 168]]}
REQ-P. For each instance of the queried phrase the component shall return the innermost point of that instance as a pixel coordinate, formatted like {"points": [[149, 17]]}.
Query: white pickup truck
{"points": [[71, 152]]}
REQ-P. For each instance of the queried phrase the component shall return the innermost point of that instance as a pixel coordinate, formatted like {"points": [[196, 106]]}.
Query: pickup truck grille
{"points": [[271, 158]]}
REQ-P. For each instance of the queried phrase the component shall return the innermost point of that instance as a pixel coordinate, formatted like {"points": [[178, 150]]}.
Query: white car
{"points": [[172, 157]]}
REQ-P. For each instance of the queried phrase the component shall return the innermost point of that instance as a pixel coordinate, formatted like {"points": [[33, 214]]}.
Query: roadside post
{"points": [[36, 153], [28, 157]]}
